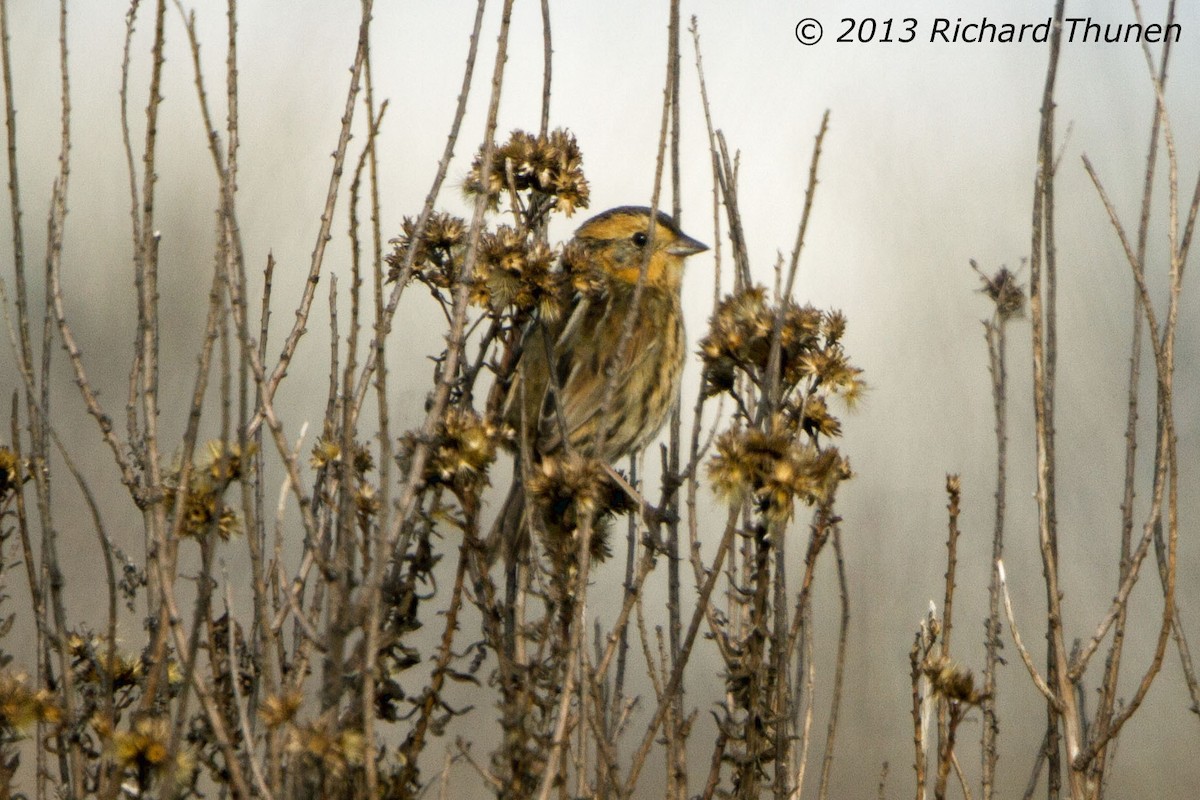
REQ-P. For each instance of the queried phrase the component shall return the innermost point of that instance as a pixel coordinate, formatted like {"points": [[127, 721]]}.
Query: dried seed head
{"points": [[463, 450], [516, 271], [568, 480], [145, 746], [1004, 290], [12, 473], [565, 489], [740, 336], [549, 165], [326, 451], [333, 750], [437, 253], [774, 470], [226, 461], [952, 681], [21, 706], [279, 709], [581, 271], [204, 510]]}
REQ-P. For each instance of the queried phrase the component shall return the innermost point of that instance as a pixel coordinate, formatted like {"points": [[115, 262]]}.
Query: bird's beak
{"points": [[685, 246]]}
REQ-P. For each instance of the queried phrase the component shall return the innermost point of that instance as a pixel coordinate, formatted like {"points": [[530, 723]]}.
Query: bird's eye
{"points": [[640, 239]]}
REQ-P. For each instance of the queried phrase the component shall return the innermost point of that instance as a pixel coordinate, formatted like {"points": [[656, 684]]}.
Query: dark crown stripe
{"points": [[664, 219]]}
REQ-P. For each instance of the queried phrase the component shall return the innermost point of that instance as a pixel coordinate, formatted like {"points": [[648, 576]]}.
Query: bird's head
{"points": [[618, 240]]}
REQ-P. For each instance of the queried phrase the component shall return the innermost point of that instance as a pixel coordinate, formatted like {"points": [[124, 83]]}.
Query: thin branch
{"points": [[547, 59], [840, 666], [689, 639], [1038, 680], [323, 234]]}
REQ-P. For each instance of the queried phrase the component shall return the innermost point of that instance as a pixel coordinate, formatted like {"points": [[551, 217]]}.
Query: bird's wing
{"points": [[529, 400], [593, 345]]}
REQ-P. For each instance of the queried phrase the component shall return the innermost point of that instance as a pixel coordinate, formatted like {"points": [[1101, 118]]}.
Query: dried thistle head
{"points": [[813, 363], [774, 470], [733, 469], [828, 471], [280, 709], [92, 664], [1004, 290], [204, 510], [566, 180], [550, 166], [516, 271], [333, 750], [566, 488], [203, 507], [582, 272], [815, 419], [21, 705], [327, 451], [833, 326], [437, 253], [366, 501], [740, 333], [226, 462], [567, 482], [952, 681], [144, 749], [364, 462], [145, 746], [12, 472], [463, 450]]}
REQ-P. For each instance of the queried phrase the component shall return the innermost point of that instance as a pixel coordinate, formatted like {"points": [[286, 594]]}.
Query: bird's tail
{"points": [[509, 536]]}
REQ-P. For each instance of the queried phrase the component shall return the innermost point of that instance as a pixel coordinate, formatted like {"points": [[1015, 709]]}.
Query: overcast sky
{"points": [[929, 162]]}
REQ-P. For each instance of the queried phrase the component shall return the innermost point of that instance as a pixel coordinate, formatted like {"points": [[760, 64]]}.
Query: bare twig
{"points": [[839, 668], [689, 639], [1038, 680]]}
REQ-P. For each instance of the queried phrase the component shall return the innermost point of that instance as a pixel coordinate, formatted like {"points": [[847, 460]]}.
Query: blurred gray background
{"points": [[929, 162]]}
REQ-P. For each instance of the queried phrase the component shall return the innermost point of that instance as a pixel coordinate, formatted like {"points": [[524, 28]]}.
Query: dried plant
{"points": [[1078, 745], [374, 626]]}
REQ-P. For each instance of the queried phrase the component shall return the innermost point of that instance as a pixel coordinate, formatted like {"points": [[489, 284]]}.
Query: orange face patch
{"points": [[619, 243]]}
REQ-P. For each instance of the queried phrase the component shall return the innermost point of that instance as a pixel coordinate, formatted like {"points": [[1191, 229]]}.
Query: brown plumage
{"points": [[609, 251]]}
